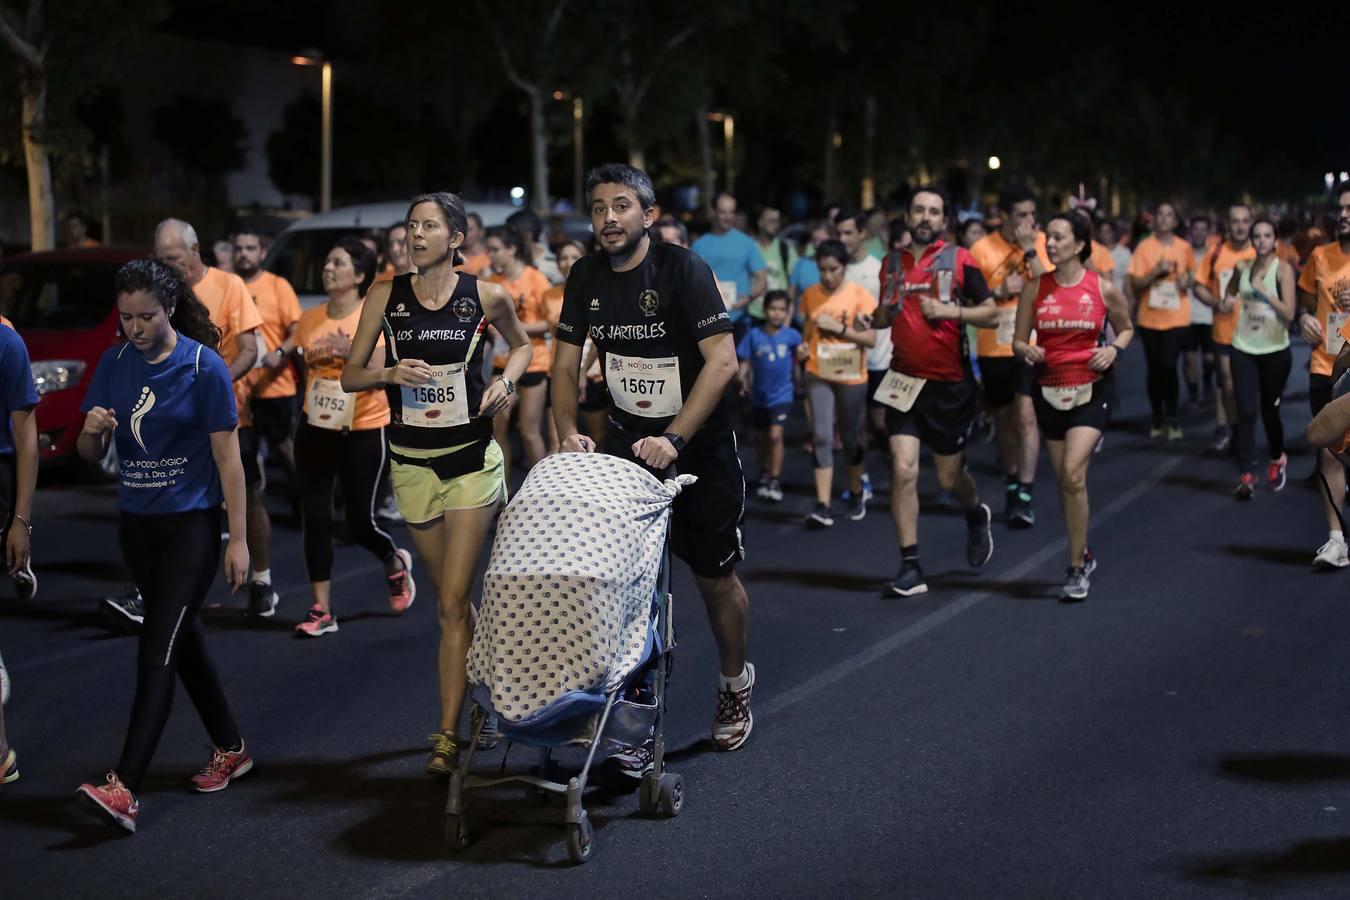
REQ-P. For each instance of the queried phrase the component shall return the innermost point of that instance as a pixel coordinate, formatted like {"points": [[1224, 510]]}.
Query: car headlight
{"points": [[57, 374]]}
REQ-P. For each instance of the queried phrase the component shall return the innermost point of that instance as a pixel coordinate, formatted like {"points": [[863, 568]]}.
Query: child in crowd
{"points": [[769, 377]]}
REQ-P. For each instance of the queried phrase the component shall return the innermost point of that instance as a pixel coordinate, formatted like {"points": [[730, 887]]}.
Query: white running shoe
{"points": [[1333, 554], [4, 682]]}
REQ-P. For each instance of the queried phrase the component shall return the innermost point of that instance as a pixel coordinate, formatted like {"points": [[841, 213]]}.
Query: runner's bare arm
{"points": [[1328, 428], [225, 453], [719, 367], [982, 315], [1308, 323], [759, 285], [355, 374], [1026, 313], [564, 389], [1118, 313], [500, 310], [1286, 304], [247, 356]]}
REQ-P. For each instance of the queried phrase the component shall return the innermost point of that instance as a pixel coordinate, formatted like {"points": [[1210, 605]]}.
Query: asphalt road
{"points": [[1183, 732]]}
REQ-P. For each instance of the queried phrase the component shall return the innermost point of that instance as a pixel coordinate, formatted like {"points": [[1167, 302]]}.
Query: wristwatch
{"points": [[675, 441], [1029, 255], [508, 384]]}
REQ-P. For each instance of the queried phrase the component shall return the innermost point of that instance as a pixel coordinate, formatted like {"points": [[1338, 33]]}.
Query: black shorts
{"points": [[705, 525], [273, 419], [1198, 337], [1004, 377], [874, 382], [940, 417], [248, 455], [762, 417], [1319, 391], [1096, 413]]}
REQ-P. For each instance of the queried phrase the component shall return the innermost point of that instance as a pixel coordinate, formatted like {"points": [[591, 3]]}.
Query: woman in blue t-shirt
{"points": [[166, 398]]}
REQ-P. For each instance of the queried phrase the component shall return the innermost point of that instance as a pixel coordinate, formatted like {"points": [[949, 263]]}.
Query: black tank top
{"points": [[440, 337]]}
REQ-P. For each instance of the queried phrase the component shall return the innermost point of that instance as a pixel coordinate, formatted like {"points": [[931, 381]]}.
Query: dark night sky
{"points": [[1264, 78]]}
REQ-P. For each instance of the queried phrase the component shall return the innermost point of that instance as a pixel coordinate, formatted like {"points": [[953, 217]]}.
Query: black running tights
{"points": [[174, 560], [358, 460], [1258, 382], [1162, 350]]}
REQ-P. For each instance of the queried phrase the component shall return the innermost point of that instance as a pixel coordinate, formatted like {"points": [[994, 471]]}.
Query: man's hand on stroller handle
{"points": [[656, 452], [577, 443]]}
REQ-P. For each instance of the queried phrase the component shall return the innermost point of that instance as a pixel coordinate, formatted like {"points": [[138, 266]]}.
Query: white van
{"points": [[299, 252]]}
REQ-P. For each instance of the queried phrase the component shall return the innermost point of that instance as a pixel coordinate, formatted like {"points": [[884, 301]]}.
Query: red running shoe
{"points": [[1275, 475], [402, 588], [224, 767], [1247, 486], [112, 801]]}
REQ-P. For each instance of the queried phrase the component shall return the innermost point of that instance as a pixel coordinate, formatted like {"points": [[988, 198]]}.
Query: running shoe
{"points": [[402, 588], [910, 580], [224, 767], [111, 801], [857, 509], [1334, 554], [1174, 432], [732, 724], [1246, 487], [1089, 561], [9, 768], [762, 489], [262, 600], [634, 762], [1076, 584], [775, 491], [1275, 474], [820, 517], [127, 611], [980, 537], [1021, 514], [389, 511], [318, 622], [25, 581], [4, 683], [1223, 439], [1157, 431], [444, 757], [846, 495]]}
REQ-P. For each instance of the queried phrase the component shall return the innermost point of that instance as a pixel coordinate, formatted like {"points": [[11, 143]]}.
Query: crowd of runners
{"points": [[449, 359]]}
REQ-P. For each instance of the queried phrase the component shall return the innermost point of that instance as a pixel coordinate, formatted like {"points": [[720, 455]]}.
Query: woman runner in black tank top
{"points": [[446, 469]]}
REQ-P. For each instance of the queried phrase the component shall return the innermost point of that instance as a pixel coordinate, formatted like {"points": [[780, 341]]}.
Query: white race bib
{"points": [[443, 402], [728, 289], [899, 390], [327, 405], [1259, 320], [1333, 340], [1066, 398], [839, 362], [1007, 325], [1164, 295], [645, 387]]}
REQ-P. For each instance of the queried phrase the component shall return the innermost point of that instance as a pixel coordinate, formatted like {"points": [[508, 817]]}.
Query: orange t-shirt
{"points": [[476, 264], [1164, 305], [998, 258], [845, 304], [233, 311], [1101, 261], [326, 344], [280, 309], [1214, 272], [1327, 277], [528, 293], [1285, 251]]}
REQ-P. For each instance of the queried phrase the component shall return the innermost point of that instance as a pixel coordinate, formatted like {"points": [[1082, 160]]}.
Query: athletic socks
{"points": [[910, 553], [263, 576], [737, 683]]}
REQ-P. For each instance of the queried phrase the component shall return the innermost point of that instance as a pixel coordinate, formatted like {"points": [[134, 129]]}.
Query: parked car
{"points": [[61, 302], [298, 253]]}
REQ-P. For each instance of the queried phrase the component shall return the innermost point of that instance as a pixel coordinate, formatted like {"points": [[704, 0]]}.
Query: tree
{"points": [[204, 137], [62, 54]]}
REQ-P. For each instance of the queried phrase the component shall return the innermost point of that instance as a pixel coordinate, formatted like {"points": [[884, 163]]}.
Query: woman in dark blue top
{"points": [[166, 398]]}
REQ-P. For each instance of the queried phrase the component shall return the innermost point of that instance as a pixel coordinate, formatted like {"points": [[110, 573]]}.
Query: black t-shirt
{"points": [[647, 324]]}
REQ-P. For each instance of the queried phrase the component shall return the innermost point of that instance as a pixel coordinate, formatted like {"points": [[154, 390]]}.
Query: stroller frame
{"points": [[659, 793]]}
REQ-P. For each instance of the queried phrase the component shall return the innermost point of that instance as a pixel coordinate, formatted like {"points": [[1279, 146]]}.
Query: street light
{"points": [[315, 58], [729, 135], [995, 163]]}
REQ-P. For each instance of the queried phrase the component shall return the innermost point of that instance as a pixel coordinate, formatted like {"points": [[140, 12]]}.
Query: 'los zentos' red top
{"points": [[1069, 323]]}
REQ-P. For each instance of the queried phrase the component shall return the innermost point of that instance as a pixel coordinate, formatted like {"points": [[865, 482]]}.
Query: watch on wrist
{"points": [[508, 384], [1029, 255], [675, 441]]}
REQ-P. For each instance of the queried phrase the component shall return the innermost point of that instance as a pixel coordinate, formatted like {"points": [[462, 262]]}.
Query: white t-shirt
{"points": [[1201, 312], [868, 275]]}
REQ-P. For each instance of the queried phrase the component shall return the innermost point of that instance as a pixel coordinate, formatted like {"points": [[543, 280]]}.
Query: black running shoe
{"points": [[910, 580], [980, 537], [126, 611], [1021, 514], [820, 517], [857, 508], [262, 600]]}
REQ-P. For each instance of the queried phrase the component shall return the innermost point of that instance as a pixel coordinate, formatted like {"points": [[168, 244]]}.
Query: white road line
{"points": [[843, 669]]}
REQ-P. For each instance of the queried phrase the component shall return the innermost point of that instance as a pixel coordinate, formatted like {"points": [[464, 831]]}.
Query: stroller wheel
{"points": [[456, 833], [672, 795], [580, 840]]}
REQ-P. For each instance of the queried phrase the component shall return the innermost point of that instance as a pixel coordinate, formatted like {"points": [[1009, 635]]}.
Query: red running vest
{"points": [[1069, 324]]}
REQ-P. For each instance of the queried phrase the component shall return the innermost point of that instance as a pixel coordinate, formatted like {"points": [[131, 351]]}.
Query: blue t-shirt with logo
{"points": [[733, 256], [805, 274], [771, 357], [166, 413], [17, 390]]}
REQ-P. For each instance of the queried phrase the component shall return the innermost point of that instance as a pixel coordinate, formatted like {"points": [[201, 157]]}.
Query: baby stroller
{"points": [[574, 636]]}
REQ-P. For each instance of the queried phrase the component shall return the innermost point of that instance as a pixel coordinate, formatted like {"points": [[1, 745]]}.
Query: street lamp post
{"points": [[315, 58], [729, 135], [578, 151]]}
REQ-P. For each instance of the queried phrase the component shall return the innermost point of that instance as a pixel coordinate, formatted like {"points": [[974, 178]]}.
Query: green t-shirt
{"points": [[776, 274]]}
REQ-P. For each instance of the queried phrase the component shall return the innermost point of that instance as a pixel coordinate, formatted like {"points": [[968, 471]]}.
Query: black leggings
{"points": [[356, 459], [173, 559], [1162, 349], [1258, 382]]}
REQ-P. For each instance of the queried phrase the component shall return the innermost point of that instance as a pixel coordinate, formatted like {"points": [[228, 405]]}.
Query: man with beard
{"points": [[653, 308], [929, 390]]}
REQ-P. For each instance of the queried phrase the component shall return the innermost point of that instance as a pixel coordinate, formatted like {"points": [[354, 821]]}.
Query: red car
{"points": [[61, 302]]}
